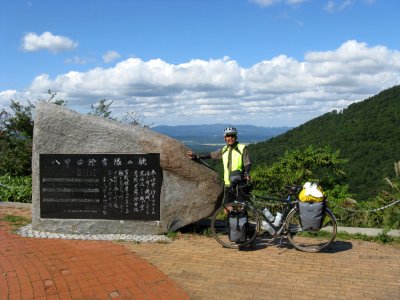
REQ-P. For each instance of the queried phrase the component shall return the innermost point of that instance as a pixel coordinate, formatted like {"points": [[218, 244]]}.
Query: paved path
{"points": [[205, 270], [33, 268]]}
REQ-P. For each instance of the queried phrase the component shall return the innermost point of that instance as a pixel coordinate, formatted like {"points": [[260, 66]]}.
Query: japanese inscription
{"points": [[100, 186]]}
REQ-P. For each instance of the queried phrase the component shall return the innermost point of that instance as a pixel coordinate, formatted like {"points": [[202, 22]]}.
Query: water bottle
{"points": [[265, 226], [278, 219], [268, 214]]}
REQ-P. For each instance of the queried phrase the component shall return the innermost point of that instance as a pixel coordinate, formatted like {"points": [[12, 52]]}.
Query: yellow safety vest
{"points": [[236, 160]]}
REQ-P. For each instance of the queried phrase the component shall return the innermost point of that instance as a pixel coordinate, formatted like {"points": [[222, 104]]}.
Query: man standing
{"points": [[235, 157]]}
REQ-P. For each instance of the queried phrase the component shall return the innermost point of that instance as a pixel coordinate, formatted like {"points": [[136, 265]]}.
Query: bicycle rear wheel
{"points": [[310, 241], [220, 225]]}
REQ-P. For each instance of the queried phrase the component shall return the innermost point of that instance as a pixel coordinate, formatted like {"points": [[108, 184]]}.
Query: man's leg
{"points": [[229, 196]]}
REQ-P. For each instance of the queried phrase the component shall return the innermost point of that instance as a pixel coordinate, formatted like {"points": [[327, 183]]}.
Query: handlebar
{"points": [[293, 189]]}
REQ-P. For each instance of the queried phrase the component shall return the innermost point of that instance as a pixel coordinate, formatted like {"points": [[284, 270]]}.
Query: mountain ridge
{"points": [[366, 133], [208, 137]]}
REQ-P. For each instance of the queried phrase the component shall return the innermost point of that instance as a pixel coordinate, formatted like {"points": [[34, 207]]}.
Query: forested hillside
{"points": [[367, 133]]}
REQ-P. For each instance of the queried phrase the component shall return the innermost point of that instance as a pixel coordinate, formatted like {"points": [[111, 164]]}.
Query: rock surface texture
{"points": [[189, 191]]}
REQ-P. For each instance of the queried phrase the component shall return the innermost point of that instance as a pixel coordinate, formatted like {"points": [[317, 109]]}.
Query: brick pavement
{"points": [[205, 270], [199, 265], [63, 269]]}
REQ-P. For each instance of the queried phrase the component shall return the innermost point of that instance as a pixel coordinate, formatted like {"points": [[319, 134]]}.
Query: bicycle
{"points": [[290, 227]]}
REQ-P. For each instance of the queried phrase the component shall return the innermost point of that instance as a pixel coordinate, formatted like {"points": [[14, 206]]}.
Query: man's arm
{"points": [[213, 155], [216, 155], [246, 163]]}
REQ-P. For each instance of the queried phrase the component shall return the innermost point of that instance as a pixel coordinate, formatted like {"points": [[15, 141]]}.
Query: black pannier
{"points": [[238, 225]]}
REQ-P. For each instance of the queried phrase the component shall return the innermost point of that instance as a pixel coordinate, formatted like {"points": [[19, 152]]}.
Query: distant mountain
{"points": [[210, 137], [367, 133]]}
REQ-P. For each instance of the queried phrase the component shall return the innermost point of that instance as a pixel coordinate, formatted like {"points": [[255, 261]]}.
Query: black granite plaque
{"points": [[100, 186]]}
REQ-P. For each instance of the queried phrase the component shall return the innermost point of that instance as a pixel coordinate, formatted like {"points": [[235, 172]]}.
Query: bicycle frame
{"points": [[288, 203]]}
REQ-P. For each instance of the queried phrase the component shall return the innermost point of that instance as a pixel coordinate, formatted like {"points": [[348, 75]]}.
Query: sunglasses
{"points": [[231, 135]]}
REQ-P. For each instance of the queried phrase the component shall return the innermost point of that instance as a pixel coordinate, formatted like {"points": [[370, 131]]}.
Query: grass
{"points": [[16, 221], [382, 238], [172, 235]]}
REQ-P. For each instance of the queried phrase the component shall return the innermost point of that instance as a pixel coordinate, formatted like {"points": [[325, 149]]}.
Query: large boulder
{"points": [[189, 191]]}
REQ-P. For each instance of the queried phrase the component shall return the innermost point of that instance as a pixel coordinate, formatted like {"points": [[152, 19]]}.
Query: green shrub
{"points": [[16, 188], [298, 166]]}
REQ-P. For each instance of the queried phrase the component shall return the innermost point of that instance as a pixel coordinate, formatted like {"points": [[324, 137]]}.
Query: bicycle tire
{"points": [[220, 225], [310, 241]]}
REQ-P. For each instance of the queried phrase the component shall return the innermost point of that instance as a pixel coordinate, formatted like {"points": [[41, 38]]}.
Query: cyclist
{"points": [[235, 157]]}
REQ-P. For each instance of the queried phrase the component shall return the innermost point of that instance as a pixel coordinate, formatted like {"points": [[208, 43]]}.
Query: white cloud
{"points": [[6, 96], [111, 56], [338, 5], [76, 60], [295, 1], [266, 3], [47, 41], [277, 92]]}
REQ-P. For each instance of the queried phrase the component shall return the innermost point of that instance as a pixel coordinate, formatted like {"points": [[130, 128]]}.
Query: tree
{"points": [[52, 99], [19, 122], [102, 109], [298, 166], [133, 118], [16, 133]]}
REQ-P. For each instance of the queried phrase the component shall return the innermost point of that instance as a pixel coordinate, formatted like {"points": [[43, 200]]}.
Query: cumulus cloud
{"points": [[111, 56], [47, 41], [5, 97], [277, 92]]}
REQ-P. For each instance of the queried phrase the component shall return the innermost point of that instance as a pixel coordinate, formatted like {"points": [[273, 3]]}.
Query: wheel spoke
{"points": [[310, 241], [220, 225]]}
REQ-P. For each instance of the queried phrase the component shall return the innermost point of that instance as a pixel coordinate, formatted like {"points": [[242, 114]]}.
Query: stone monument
{"points": [[91, 175]]}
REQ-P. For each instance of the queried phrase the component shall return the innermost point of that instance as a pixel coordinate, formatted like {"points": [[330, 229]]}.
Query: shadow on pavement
{"points": [[264, 240], [338, 246]]}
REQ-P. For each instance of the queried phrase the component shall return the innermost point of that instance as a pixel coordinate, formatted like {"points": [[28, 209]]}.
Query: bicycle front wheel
{"points": [[220, 225], [310, 241]]}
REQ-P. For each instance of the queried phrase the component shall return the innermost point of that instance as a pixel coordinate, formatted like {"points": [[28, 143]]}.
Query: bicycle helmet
{"points": [[230, 130]]}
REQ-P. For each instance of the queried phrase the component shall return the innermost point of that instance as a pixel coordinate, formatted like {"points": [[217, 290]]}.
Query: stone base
{"points": [[79, 226], [27, 231]]}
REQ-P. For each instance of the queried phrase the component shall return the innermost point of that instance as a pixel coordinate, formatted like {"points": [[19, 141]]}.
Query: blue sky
{"points": [[260, 62]]}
